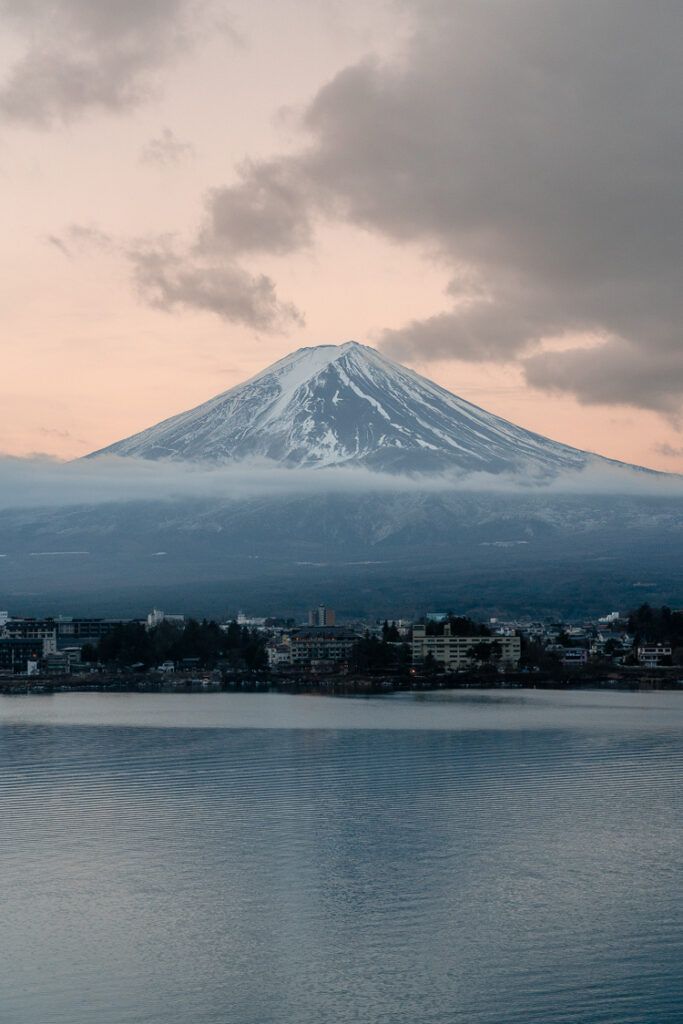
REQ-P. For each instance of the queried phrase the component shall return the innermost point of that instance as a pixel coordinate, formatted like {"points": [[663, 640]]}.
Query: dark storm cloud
{"points": [[83, 55], [535, 146]]}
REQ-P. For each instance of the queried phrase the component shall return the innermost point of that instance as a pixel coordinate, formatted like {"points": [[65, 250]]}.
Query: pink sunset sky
{"points": [[488, 192]]}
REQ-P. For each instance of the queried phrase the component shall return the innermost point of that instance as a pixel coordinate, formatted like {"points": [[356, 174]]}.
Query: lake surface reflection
{"points": [[256, 859]]}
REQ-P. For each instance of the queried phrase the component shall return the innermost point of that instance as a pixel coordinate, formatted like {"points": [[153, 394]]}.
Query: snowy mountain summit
{"points": [[348, 405]]}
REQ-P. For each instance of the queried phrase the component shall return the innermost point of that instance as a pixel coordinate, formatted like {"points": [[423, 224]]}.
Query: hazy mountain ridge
{"points": [[398, 552]]}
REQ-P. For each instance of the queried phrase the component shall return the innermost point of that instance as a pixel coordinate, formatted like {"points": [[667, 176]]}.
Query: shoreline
{"points": [[339, 686]]}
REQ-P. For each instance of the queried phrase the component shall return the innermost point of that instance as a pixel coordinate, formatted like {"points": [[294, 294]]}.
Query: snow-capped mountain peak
{"points": [[348, 404]]}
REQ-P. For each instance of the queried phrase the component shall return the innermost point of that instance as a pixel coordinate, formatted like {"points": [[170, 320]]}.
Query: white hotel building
{"points": [[456, 652]]}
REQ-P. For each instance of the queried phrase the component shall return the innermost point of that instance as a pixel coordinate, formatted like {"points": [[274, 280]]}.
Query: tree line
{"points": [[656, 625], [206, 643]]}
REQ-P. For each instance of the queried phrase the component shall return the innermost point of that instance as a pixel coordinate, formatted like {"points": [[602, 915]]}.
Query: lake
{"points": [[503, 857]]}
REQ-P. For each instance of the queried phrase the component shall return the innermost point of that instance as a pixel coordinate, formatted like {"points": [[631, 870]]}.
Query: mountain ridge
{"points": [[348, 404]]}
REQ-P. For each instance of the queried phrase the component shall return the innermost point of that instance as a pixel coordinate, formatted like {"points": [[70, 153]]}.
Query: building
{"points": [[156, 617], [257, 622], [19, 655], [321, 643], [574, 656], [456, 653], [58, 664], [74, 632], [321, 616], [279, 655], [62, 632], [42, 633], [654, 655]]}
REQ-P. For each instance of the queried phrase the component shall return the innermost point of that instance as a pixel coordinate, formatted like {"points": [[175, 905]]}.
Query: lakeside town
{"points": [[327, 653]]}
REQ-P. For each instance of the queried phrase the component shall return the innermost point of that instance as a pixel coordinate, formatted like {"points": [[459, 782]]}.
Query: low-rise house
{"points": [[574, 656], [654, 655], [576, 633], [279, 655], [611, 645], [57, 664]]}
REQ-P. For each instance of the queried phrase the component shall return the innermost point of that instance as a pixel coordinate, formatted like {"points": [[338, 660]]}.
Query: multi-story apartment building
{"points": [[459, 652], [18, 654], [55, 634], [41, 632], [75, 631], [321, 643]]}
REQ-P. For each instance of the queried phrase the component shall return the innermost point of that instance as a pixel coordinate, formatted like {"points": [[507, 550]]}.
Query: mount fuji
{"points": [[378, 492], [348, 405]]}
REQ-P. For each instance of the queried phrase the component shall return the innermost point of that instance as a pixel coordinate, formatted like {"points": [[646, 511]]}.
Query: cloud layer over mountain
{"points": [[43, 482]]}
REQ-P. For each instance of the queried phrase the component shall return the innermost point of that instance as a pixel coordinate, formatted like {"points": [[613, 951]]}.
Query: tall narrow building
{"points": [[321, 616]]}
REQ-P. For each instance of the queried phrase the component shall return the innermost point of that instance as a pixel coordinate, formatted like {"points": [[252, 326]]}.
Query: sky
{"points": [[488, 191]]}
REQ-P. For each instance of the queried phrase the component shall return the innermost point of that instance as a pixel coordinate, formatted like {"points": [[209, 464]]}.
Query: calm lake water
{"points": [[260, 859]]}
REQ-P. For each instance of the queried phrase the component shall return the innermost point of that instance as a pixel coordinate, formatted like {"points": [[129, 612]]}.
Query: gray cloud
{"points": [[59, 244], [55, 432], [616, 372], [168, 277], [165, 149], [78, 239], [669, 451], [267, 211], [83, 55], [534, 146], [88, 236], [167, 280], [41, 481], [483, 325]]}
